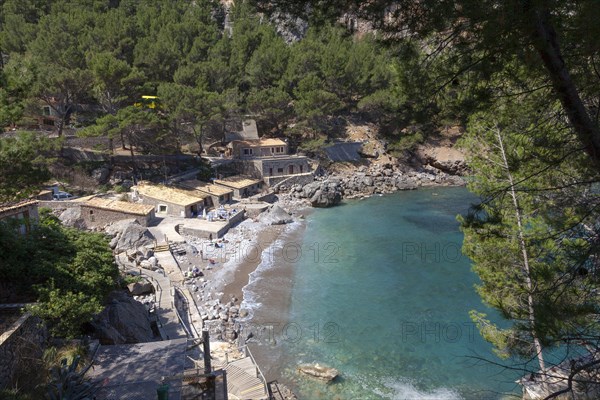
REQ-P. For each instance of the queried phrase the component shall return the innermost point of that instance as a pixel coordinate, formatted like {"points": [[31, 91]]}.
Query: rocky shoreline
{"points": [[329, 190]]}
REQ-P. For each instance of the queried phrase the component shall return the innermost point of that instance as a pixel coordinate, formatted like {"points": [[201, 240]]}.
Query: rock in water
{"points": [[319, 371], [327, 196]]}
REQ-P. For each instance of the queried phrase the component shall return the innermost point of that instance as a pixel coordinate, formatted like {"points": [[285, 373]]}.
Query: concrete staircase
{"points": [[160, 247], [243, 381]]}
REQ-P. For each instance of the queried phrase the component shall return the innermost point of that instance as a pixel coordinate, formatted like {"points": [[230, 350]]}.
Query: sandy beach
{"points": [[248, 258], [253, 272]]}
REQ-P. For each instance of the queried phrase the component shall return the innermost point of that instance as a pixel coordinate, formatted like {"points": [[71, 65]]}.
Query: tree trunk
{"points": [[546, 43], [135, 172], [525, 259]]}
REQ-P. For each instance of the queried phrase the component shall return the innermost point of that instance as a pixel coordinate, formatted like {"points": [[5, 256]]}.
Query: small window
{"points": [[91, 212], [280, 170], [162, 208], [46, 110]]}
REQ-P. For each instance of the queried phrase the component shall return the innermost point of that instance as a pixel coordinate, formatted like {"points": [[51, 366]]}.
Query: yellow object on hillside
{"points": [[148, 102]]}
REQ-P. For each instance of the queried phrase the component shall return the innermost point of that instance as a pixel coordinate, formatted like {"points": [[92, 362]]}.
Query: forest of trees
{"points": [[109, 53]]}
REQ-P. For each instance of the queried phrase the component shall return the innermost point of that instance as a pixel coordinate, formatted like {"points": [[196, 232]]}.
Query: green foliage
{"points": [[537, 216], [128, 279], [15, 394], [69, 272], [66, 311], [66, 383], [24, 162], [110, 53], [315, 145], [406, 141]]}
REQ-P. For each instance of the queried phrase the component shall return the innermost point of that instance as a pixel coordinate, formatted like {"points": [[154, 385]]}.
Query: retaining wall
{"points": [[23, 343]]}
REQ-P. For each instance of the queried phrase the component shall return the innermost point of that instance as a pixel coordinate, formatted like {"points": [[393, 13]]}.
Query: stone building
{"points": [[247, 149], [219, 194], [282, 166], [23, 213], [171, 201], [242, 186], [99, 212], [267, 159]]}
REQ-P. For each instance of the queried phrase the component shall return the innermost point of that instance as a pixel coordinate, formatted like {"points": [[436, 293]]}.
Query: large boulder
{"points": [[124, 320], [275, 215], [326, 196], [405, 184], [131, 235], [100, 175], [145, 252], [141, 287], [309, 190], [319, 371], [71, 217]]}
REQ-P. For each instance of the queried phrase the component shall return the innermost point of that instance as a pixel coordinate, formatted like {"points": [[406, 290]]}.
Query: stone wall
{"points": [[95, 143], [280, 166], [21, 345], [101, 217], [79, 155], [59, 204], [200, 233], [173, 210], [289, 180], [268, 197]]}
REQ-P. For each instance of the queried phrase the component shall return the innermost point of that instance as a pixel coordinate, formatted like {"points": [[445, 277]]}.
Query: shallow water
{"points": [[380, 291]]}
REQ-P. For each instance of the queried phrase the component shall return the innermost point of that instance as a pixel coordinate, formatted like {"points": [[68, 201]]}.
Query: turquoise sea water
{"points": [[382, 293]]}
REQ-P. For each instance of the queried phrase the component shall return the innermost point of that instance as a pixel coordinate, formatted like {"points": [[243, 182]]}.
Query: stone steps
{"points": [[177, 249], [161, 247], [242, 381]]}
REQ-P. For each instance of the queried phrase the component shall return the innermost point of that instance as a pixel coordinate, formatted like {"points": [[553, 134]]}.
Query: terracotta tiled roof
{"points": [[237, 182], [170, 195], [205, 187], [272, 142], [13, 206], [258, 143], [120, 206]]}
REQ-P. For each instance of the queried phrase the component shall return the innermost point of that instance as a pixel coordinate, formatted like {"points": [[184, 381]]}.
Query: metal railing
{"points": [[181, 321], [192, 331], [157, 298]]}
